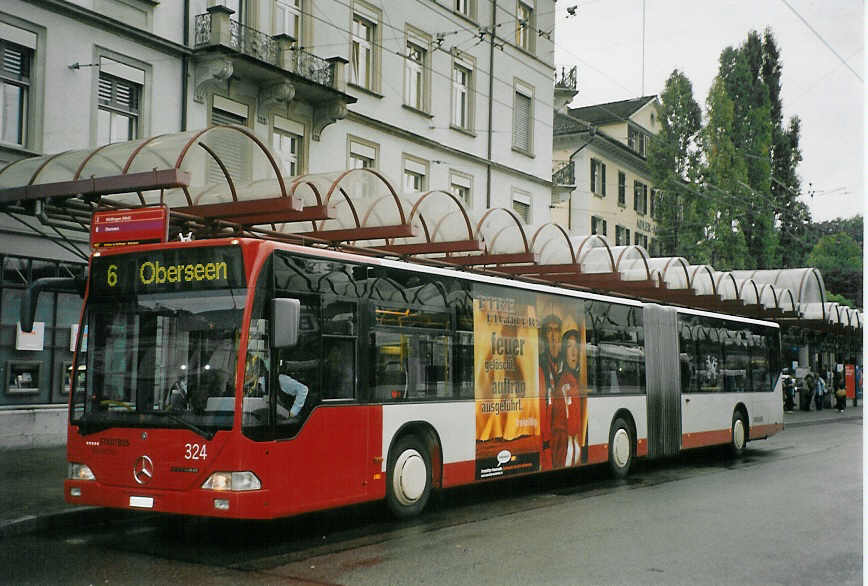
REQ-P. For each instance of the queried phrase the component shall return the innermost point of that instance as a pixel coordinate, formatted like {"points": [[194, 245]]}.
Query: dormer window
{"points": [[636, 140]]}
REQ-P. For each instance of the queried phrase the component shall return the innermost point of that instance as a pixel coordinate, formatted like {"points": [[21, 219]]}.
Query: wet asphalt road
{"points": [[789, 512]]}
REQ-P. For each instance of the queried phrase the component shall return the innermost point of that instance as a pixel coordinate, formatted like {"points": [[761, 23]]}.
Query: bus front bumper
{"points": [[252, 504]]}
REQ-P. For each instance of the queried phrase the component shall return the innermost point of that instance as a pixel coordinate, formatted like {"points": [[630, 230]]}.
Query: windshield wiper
{"points": [[208, 435]]}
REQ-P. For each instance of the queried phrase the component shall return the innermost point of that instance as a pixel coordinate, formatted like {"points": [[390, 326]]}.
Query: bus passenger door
{"points": [[663, 380], [331, 450]]}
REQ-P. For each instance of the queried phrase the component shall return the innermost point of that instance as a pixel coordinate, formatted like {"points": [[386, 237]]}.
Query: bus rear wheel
{"points": [[739, 434], [621, 448], [408, 481]]}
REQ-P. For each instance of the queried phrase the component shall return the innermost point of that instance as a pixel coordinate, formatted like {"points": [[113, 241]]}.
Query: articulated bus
{"points": [[250, 378]]}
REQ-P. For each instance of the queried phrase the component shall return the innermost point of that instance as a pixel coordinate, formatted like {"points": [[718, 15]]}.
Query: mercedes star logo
{"points": [[143, 470]]}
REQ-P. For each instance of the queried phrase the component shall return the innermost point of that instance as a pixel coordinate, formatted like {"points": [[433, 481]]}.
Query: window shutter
{"points": [[521, 122], [227, 146], [16, 63], [593, 175], [603, 178], [126, 96], [105, 90], [118, 93]]}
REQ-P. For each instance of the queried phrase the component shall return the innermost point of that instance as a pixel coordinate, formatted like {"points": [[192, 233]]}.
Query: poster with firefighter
{"points": [[531, 384]]}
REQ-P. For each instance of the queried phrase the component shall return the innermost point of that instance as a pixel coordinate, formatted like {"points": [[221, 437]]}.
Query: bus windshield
{"points": [[160, 360], [158, 354]]}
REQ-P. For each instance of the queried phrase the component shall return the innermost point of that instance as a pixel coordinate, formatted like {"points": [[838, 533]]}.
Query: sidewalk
{"points": [[31, 483]]}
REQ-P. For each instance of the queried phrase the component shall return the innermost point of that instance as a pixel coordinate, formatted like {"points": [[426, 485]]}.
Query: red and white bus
{"points": [[252, 378]]}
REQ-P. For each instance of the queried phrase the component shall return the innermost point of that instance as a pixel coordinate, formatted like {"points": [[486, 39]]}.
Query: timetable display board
{"points": [[127, 227]]}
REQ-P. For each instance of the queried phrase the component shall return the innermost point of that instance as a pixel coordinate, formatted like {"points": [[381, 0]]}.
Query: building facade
{"points": [[436, 94], [600, 171]]}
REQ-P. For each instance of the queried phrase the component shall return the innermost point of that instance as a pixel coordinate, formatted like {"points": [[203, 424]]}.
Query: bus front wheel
{"points": [[739, 434], [620, 448], [408, 482]]}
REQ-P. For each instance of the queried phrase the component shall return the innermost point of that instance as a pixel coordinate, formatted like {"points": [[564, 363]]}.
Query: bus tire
{"points": [[621, 449], [408, 477], [738, 438]]}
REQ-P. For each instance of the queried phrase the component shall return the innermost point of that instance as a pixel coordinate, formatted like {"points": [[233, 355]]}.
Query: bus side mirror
{"points": [[284, 326]]}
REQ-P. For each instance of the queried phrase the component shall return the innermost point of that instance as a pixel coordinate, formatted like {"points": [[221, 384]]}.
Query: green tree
{"points": [[724, 175], [851, 226], [836, 252], [839, 258], [672, 160], [741, 72], [839, 299], [792, 215]]}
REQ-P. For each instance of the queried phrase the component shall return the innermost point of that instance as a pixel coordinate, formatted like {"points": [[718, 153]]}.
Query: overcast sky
{"points": [[604, 39]]}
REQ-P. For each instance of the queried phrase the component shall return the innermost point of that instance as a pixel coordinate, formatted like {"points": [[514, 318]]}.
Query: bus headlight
{"points": [[77, 471], [237, 481]]}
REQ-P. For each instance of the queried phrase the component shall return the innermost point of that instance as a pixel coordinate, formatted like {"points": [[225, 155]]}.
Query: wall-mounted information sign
{"points": [[123, 227]]}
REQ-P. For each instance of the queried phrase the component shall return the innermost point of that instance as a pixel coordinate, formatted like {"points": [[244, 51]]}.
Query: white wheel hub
{"points": [[738, 433], [621, 447], [410, 477]]}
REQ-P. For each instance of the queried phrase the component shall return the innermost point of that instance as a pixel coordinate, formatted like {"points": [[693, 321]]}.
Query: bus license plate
{"points": [[142, 502]]}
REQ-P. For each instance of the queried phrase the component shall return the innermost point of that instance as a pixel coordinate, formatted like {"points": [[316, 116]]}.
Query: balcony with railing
{"points": [[564, 173], [243, 39], [568, 80], [565, 88], [310, 67], [275, 65]]}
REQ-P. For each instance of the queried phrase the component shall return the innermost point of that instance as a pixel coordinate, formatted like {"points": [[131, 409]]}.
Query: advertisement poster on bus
{"points": [[531, 384], [563, 382], [505, 368]]}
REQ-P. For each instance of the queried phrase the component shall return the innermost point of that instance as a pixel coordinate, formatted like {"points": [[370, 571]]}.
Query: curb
{"points": [[822, 421], [77, 517]]}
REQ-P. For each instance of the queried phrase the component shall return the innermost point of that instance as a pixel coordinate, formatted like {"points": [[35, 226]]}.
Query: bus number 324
{"points": [[195, 451]]}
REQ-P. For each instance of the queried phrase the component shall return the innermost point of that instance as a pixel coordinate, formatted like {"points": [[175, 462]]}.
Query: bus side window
{"points": [[618, 349], [339, 368], [464, 365], [412, 338], [592, 350], [462, 302], [411, 366], [759, 363], [687, 355], [340, 330], [710, 356], [736, 361], [297, 383]]}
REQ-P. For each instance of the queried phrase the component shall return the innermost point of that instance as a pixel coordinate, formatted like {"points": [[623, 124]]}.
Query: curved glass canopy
{"points": [[224, 178]]}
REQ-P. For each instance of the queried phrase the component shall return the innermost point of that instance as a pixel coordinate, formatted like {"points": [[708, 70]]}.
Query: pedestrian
{"points": [[840, 393], [806, 392], [789, 390], [820, 392]]}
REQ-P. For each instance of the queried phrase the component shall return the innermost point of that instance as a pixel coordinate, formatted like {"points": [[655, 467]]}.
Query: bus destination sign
{"points": [[124, 227], [165, 271]]}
